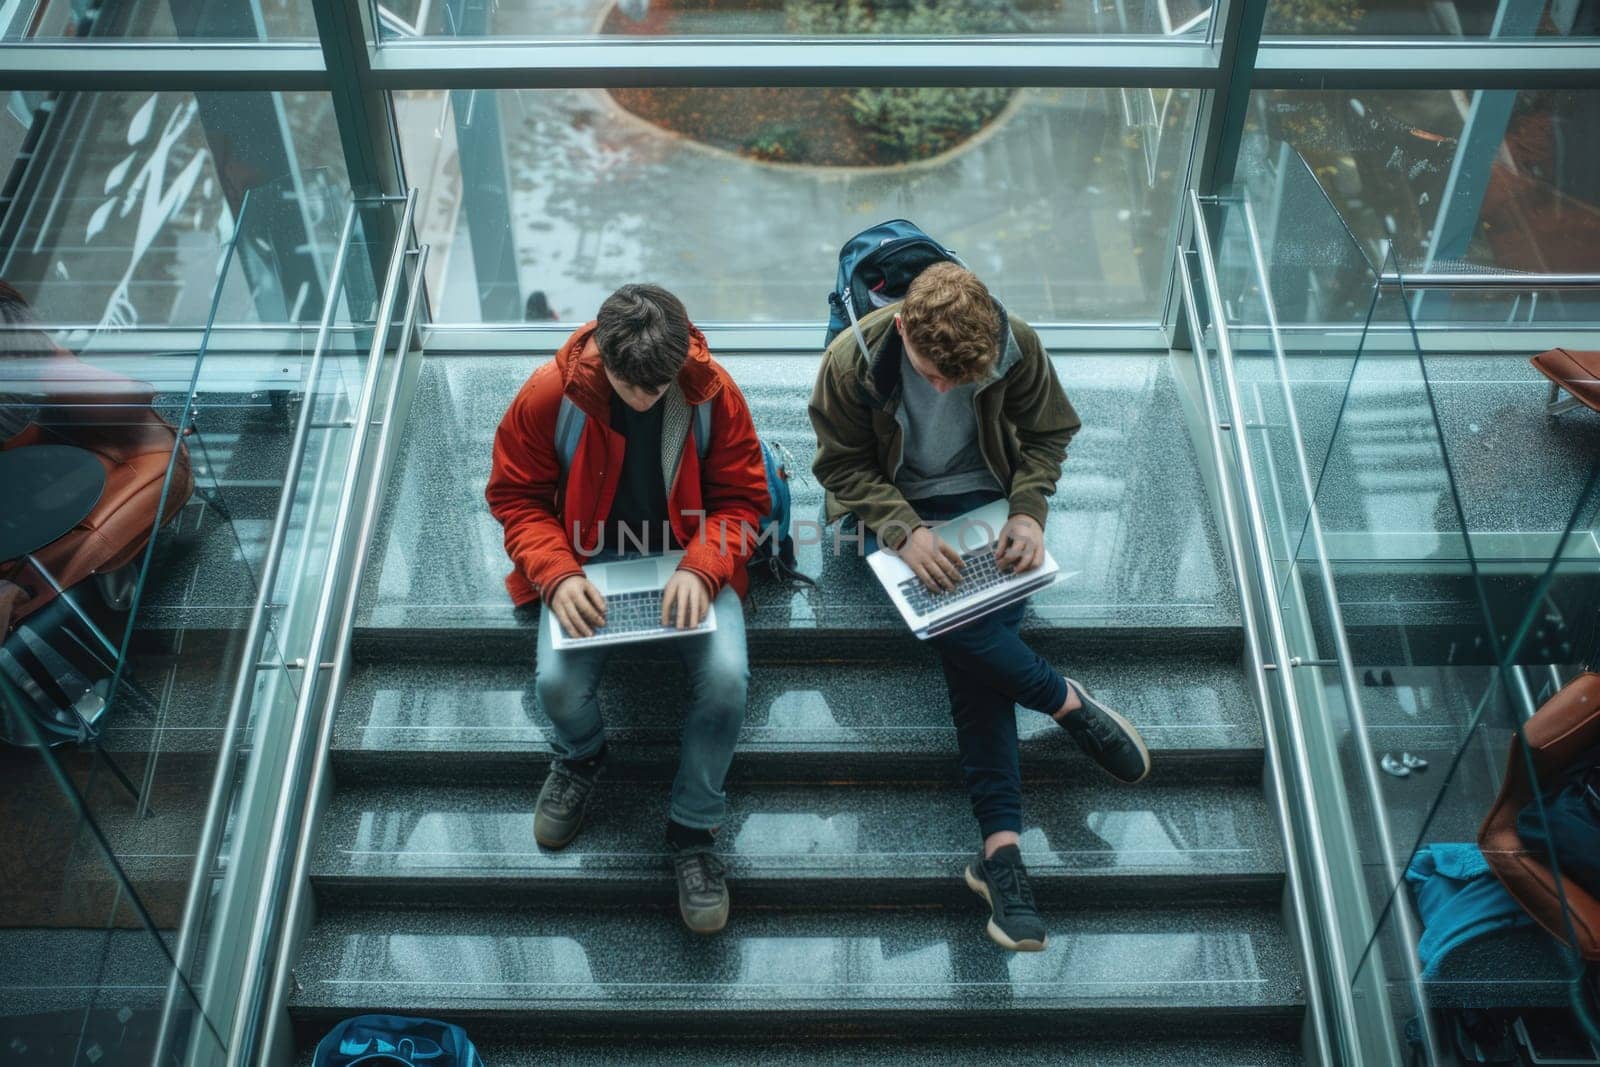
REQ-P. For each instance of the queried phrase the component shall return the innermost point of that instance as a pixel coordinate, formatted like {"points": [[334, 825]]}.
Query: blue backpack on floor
{"points": [[876, 267], [775, 551], [396, 1041]]}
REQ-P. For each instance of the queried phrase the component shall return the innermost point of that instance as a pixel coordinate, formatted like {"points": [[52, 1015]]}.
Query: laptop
{"points": [[632, 588], [983, 586]]}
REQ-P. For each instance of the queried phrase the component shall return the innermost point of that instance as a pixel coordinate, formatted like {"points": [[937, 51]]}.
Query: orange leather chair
{"points": [[1576, 372], [1564, 727], [111, 416]]}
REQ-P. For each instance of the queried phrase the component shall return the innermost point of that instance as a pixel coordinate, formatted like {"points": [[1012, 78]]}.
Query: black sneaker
{"points": [[702, 889], [1108, 738], [1002, 880], [565, 797]]}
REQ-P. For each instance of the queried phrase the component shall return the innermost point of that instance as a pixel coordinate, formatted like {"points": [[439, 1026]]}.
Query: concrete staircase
{"points": [[852, 934]]}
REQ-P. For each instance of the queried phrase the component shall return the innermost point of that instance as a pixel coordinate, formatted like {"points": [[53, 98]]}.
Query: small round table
{"points": [[45, 490]]}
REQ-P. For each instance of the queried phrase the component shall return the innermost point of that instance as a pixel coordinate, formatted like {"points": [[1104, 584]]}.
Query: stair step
{"points": [[1427, 612], [860, 632], [421, 722], [506, 971], [857, 842], [45, 970], [203, 572], [1131, 484], [178, 701], [154, 844], [782, 1050]]}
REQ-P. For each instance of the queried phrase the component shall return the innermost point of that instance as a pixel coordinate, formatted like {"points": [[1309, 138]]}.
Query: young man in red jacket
{"points": [[636, 478]]}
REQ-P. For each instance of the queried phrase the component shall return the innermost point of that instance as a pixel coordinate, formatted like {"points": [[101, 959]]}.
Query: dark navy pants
{"points": [[989, 670]]}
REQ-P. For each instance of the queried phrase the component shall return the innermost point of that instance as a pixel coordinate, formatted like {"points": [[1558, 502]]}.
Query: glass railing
{"points": [[1460, 673], [239, 901], [155, 674], [130, 553], [1422, 535]]}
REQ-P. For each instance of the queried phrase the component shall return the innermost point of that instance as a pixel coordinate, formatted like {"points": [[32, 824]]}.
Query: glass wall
{"points": [[1415, 18], [563, 147], [1064, 200], [157, 20], [771, 18], [118, 212], [1424, 596], [1451, 180]]}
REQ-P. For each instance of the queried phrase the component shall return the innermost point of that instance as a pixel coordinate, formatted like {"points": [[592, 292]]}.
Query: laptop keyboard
{"points": [[631, 613], [978, 575]]}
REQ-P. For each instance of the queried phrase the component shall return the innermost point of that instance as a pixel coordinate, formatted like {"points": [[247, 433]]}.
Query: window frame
{"points": [[361, 70]]}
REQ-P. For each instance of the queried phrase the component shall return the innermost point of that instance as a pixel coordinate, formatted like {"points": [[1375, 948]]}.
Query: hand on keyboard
{"points": [[578, 606], [684, 601], [934, 562], [978, 573], [1020, 546]]}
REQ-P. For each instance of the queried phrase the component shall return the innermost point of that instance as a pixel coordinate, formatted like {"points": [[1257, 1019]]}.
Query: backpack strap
{"points": [[570, 421], [848, 300], [702, 429]]}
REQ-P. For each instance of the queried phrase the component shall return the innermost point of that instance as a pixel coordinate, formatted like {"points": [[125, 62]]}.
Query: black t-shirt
{"points": [[640, 505]]}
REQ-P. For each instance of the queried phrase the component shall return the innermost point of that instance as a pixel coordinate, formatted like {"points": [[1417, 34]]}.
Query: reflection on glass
{"points": [[125, 205], [1430, 601], [799, 834], [1418, 18], [82, 971], [1456, 181], [801, 710], [400, 19], [155, 20], [1062, 199], [92, 471]]}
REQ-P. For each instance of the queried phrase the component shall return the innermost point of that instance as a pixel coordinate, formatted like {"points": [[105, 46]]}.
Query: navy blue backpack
{"points": [[395, 1041], [876, 267], [774, 552]]}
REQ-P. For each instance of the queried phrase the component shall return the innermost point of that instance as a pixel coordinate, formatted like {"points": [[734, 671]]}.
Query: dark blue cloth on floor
{"points": [[1574, 827], [1459, 901]]}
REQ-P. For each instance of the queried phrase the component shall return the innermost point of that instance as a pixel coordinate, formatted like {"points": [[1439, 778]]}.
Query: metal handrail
{"points": [[1489, 280], [244, 687], [269, 904], [1258, 678], [339, 672], [1346, 662], [1271, 604]]}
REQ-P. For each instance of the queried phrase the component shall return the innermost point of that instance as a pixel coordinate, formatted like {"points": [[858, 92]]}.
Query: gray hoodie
{"points": [[942, 455]]}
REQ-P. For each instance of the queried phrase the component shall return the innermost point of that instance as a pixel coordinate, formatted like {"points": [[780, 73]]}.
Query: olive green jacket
{"points": [[1025, 422]]}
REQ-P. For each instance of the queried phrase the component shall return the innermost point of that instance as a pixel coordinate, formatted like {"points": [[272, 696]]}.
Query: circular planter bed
{"points": [[808, 126]]}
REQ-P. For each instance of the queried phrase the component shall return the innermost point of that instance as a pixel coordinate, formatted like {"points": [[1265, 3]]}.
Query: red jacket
{"points": [[540, 520]]}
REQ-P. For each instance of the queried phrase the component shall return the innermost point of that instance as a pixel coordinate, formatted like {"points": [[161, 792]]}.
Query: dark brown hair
{"points": [[643, 335]]}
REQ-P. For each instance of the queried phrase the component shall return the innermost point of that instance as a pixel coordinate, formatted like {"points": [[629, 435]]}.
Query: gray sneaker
{"points": [[702, 889], [1107, 738], [565, 797]]}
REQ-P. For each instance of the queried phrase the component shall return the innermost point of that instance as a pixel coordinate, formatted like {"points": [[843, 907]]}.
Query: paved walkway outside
{"points": [[1054, 208]]}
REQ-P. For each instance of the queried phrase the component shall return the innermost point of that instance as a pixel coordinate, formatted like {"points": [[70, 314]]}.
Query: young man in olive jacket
{"points": [[955, 404]]}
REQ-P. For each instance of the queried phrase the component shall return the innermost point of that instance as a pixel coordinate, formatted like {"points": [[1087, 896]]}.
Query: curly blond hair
{"points": [[952, 322]]}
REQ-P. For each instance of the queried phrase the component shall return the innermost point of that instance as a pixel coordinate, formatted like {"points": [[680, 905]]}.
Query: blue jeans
{"points": [[718, 670], [988, 670]]}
